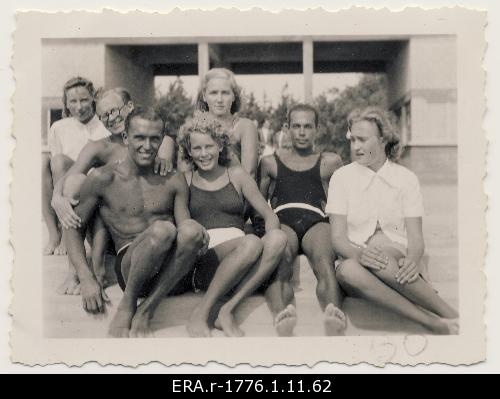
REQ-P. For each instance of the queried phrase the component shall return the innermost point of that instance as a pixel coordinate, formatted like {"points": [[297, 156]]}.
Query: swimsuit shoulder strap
{"points": [[240, 195], [189, 180]]}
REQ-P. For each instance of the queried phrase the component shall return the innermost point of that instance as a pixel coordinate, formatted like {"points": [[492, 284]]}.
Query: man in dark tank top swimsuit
{"points": [[296, 182]]}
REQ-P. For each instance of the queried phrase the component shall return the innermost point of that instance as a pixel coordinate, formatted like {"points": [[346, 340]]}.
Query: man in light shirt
{"points": [[66, 139]]}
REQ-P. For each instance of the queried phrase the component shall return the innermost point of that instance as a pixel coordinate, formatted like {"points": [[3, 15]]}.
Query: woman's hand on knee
{"points": [[408, 271], [373, 258]]}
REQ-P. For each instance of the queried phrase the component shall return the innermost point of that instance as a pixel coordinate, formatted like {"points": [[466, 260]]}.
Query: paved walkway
{"points": [[64, 317]]}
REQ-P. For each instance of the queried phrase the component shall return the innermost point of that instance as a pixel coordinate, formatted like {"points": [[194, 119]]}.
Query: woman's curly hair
{"points": [[386, 127], [203, 123]]}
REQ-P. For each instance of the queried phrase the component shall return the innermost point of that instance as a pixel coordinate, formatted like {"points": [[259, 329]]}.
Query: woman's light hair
{"points": [[223, 73], [204, 123], [383, 119], [71, 84]]}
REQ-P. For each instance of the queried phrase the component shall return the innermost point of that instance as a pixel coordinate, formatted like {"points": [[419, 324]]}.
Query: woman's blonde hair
{"points": [[203, 123], [223, 73], [383, 119], [71, 84]]}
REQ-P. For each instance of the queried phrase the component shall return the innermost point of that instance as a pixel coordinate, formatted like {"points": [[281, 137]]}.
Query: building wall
{"points": [[398, 75], [123, 68], [432, 164], [64, 60], [433, 78]]}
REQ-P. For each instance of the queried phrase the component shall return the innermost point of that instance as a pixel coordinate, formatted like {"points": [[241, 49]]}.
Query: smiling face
{"points": [[112, 112], [204, 151], [143, 140], [367, 146], [219, 96], [302, 129], [79, 103]]}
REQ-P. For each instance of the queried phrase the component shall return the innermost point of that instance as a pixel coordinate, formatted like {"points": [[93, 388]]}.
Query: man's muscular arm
{"points": [[181, 210], [266, 176], [329, 164], [93, 295]]}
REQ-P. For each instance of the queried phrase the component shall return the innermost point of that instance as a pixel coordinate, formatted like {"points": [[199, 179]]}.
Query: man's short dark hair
{"points": [[305, 108], [147, 113]]}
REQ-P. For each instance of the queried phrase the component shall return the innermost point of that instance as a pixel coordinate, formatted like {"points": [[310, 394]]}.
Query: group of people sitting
{"points": [[109, 179]]}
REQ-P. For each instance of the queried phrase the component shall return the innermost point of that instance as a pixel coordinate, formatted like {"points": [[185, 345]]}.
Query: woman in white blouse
{"points": [[376, 215]]}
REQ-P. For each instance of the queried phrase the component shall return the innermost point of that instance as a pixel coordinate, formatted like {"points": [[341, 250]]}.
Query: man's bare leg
{"points": [[142, 262], [188, 244], [71, 189], [274, 244], [237, 256], [419, 292], [49, 215], [318, 249], [279, 295], [360, 282]]}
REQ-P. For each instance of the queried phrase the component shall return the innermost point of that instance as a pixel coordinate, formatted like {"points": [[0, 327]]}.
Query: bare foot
{"points": [[198, 325], [121, 323], [141, 327], [61, 249], [335, 321], [286, 321], [226, 322], [447, 327], [70, 286], [51, 247]]}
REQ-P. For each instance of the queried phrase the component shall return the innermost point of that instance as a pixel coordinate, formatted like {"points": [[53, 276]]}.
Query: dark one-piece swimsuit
{"points": [[299, 197]]}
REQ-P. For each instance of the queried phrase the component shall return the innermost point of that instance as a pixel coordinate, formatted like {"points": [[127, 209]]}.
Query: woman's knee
{"points": [[349, 272], [275, 241], [251, 247], [190, 233], [390, 270], [72, 185], [59, 164], [161, 233]]}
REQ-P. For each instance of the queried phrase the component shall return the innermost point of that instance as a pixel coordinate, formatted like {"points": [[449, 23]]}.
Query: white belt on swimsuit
{"points": [[123, 248], [301, 206]]}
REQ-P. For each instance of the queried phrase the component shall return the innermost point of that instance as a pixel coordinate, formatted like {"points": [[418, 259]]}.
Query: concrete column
{"points": [[203, 59], [308, 69]]}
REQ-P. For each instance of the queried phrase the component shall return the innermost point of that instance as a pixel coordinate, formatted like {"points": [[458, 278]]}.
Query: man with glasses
{"points": [[112, 108]]}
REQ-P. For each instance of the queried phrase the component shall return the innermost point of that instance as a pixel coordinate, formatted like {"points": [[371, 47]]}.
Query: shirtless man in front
{"points": [[148, 218], [112, 108]]}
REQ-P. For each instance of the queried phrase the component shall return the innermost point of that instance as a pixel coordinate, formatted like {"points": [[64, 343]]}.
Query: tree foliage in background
{"points": [[175, 107], [251, 109], [279, 114]]}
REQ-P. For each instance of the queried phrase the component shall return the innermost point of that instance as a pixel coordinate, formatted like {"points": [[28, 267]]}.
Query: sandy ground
{"points": [[64, 317]]}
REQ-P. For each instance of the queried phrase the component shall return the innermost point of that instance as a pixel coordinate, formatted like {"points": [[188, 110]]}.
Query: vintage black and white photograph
{"points": [[268, 185]]}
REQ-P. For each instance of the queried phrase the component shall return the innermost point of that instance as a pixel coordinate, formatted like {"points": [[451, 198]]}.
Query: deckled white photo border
{"points": [[28, 344]]}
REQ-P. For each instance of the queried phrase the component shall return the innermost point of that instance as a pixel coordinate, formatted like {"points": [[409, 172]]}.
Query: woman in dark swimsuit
{"points": [[236, 264]]}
